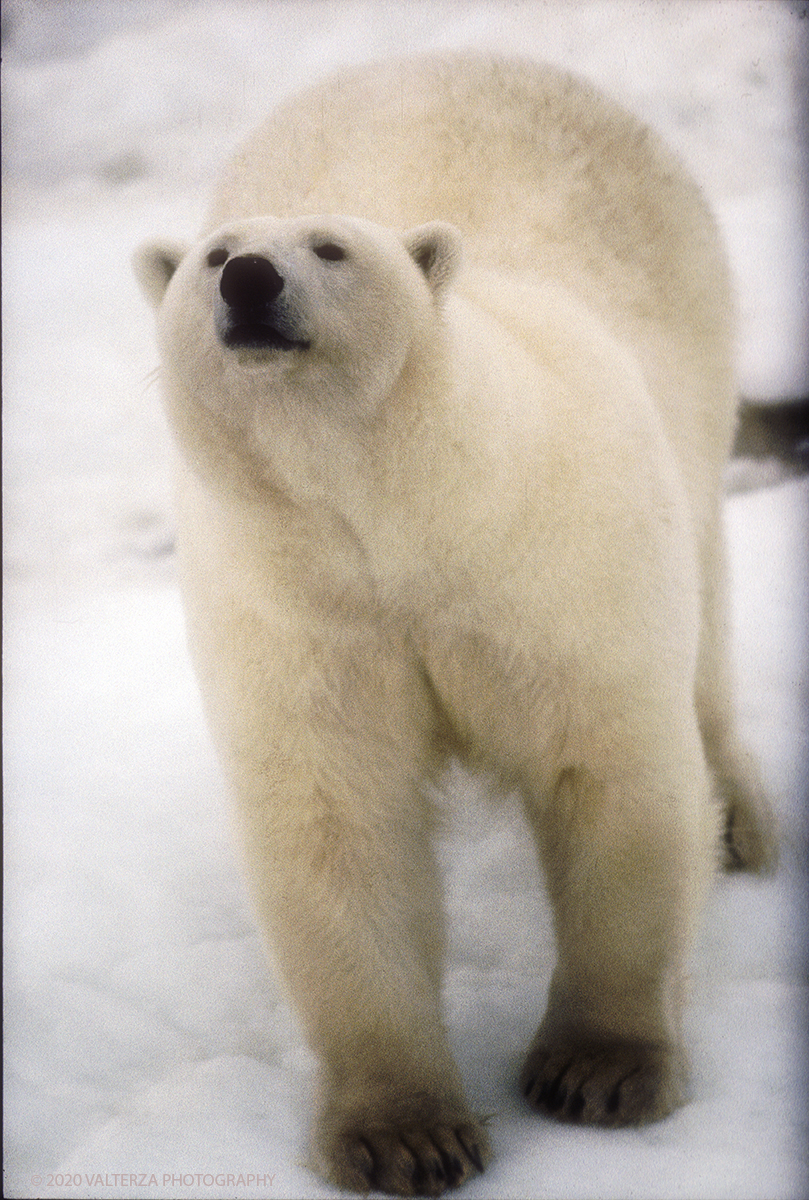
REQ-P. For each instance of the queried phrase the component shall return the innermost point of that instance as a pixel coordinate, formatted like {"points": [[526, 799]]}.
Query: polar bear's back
{"points": [[538, 171], [544, 177]]}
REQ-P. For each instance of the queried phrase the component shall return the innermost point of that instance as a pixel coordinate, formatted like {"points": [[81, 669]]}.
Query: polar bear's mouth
{"points": [[256, 335]]}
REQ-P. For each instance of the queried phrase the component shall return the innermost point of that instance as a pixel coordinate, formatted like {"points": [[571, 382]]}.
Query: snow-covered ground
{"points": [[144, 1035]]}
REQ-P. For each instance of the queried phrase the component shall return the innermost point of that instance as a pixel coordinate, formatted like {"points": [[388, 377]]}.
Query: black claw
{"points": [[474, 1156], [455, 1172], [576, 1106], [614, 1098], [472, 1152], [369, 1172], [558, 1083], [735, 860], [447, 1168], [529, 1087], [438, 1171], [418, 1178], [553, 1092]]}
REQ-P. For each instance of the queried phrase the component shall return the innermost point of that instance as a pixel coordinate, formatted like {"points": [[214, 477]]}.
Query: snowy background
{"points": [[143, 1032]]}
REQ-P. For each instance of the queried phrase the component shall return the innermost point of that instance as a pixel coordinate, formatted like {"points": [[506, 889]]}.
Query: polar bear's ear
{"points": [[154, 264], [436, 250]]}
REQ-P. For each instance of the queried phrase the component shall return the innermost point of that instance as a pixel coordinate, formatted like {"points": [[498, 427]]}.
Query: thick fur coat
{"points": [[450, 375]]}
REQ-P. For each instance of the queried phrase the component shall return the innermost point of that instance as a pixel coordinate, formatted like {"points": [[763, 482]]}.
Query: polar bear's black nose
{"points": [[249, 281]]}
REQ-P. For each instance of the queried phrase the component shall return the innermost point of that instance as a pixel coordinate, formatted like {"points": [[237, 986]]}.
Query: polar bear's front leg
{"points": [[352, 913], [350, 906], [627, 850], [328, 755]]}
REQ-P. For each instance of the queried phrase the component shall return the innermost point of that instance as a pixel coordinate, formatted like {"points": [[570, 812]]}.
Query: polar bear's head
{"points": [[314, 310]]}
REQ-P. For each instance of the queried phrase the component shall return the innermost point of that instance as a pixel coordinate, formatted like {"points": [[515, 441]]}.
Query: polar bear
{"points": [[450, 374]]}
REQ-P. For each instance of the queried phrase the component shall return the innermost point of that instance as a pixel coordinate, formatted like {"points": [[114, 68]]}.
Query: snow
{"points": [[144, 1034]]}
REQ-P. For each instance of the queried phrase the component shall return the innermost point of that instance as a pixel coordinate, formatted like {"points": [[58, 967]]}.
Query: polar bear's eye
{"points": [[330, 251], [217, 257]]}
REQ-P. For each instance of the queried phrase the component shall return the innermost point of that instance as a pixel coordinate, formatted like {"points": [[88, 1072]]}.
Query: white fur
{"points": [[479, 514]]}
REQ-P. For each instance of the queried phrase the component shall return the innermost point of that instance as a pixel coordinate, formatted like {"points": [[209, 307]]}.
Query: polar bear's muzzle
{"points": [[250, 309]]}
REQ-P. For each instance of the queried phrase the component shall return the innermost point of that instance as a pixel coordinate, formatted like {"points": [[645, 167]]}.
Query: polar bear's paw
{"points": [[624, 1083], [405, 1159]]}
